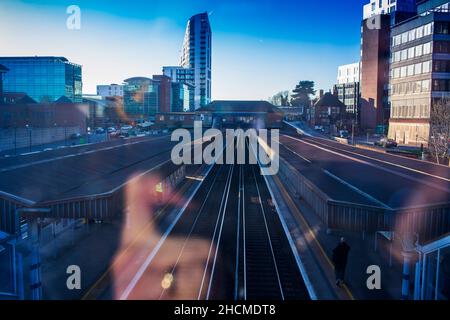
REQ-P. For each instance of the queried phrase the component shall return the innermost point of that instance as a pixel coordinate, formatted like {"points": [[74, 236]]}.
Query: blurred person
{"points": [[340, 257], [148, 267]]}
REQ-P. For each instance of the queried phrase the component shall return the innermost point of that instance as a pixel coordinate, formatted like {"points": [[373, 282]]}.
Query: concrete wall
{"points": [[20, 137]]}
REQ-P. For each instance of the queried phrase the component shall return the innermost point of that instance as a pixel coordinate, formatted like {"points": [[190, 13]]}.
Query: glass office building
{"points": [[44, 79], [196, 55], [181, 97], [186, 77], [141, 98]]}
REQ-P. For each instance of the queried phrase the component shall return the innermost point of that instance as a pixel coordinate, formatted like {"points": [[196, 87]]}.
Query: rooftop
{"points": [[79, 172], [240, 106], [329, 100]]}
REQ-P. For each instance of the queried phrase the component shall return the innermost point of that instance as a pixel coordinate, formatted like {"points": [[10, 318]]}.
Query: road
{"points": [[88, 139], [362, 176], [82, 170]]}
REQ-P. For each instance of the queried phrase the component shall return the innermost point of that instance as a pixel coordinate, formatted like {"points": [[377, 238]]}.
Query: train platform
{"points": [[315, 243]]}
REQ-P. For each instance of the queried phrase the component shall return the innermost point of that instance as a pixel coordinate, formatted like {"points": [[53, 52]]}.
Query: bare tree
{"points": [[281, 99], [440, 129]]}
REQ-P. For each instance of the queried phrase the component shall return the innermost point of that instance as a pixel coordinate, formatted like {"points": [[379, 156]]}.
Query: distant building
{"points": [[255, 114], [112, 90], [375, 53], [196, 54], [420, 71], [25, 123], [181, 97], [140, 98], [165, 92], [44, 79], [378, 7], [348, 73], [180, 74], [328, 111], [105, 112], [3, 70], [347, 89], [173, 120], [185, 76]]}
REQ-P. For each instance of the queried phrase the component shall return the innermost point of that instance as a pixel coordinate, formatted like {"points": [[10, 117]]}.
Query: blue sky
{"points": [[259, 46]]}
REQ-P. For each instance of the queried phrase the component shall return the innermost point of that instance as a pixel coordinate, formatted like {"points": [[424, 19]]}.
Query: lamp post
{"points": [[29, 134], [15, 139], [409, 243], [65, 132], [353, 132]]}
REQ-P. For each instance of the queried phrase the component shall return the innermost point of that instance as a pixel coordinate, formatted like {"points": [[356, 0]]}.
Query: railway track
{"points": [[228, 244]]}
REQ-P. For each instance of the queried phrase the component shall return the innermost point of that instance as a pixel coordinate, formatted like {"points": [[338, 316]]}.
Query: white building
{"points": [[196, 54], [112, 90], [348, 73], [376, 7]]}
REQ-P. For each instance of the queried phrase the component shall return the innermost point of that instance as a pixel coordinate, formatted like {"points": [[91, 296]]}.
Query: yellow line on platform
{"points": [[310, 231]]}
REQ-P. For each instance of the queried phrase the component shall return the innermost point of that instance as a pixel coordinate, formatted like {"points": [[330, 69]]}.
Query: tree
{"points": [[280, 99], [440, 129], [303, 93]]}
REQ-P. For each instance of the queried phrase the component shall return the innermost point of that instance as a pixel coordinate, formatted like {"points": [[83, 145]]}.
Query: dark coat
{"points": [[340, 254]]}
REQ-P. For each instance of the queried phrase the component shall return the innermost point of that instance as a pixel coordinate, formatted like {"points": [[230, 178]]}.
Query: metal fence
{"points": [[99, 207], [428, 222]]}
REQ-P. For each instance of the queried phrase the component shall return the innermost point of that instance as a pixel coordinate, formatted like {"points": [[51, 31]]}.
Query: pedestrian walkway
{"points": [[308, 229], [91, 247]]}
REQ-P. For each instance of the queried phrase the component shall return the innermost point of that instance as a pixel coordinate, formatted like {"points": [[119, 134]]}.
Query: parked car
{"points": [[114, 134], [75, 136], [111, 130], [343, 134], [126, 128], [99, 131], [386, 143]]}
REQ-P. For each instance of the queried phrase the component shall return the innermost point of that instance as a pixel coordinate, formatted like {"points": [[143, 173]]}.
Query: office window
{"points": [[404, 37], [428, 29], [412, 35], [427, 48], [403, 72], [426, 85], [419, 51], [419, 32], [411, 53], [418, 68], [426, 67], [410, 70], [404, 55]]}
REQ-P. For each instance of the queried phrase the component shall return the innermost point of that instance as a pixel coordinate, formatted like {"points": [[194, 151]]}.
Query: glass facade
{"points": [[348, 94], [181, 94], [196, 54], [44, 79], [141, 98], [185, 76]]}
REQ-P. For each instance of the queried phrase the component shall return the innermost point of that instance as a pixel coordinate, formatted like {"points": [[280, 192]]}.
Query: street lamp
{"points": [[15, 139], [65, 132], [29, 133]]}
